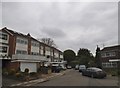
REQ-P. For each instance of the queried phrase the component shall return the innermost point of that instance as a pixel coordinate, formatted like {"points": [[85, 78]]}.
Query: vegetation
{"points": [[18, 74], [69, 56], [85, 57], [97, 58], [112, 71], [48, 41]]}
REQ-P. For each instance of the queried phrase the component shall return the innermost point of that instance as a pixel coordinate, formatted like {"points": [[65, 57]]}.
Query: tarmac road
{"points": [[74, 78]]}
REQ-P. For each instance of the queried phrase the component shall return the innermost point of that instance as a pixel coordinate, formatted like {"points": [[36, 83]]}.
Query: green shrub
{"points": [[114, 73], [33, 73], [119, 73], [18, 75], [5, 71], [12, 71], [27, 78]]}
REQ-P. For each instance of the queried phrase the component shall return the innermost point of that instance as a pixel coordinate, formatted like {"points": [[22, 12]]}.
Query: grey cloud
{"points": [[53, 32], [71, 25]]}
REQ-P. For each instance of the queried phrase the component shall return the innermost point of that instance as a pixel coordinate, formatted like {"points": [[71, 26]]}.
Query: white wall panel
{"points": [[41, 52], [47, 52], [56, 55], [34, 49], [31, 66], [61, 56], [21, 46]]}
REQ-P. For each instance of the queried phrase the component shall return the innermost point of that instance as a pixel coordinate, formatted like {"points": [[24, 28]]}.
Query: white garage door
{"points": [[31, 66]]}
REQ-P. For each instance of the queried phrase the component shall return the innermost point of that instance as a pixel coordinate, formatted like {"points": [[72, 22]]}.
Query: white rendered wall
{"points": [[34, 49], [21, 47]]}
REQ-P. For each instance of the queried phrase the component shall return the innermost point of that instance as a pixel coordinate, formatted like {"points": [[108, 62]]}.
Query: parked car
{"points": [[69, 67], [77, 67], [94, 72], [82, 67], [56, 69]]}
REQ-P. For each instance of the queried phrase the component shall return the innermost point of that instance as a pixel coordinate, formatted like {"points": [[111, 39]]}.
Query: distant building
{"points": [[109, 55], [21, 51]]}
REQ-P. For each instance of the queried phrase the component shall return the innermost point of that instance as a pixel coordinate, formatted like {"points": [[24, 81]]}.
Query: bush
{"points": [[27, 78], [12, 71], [18, 75], [5, 71], [114, 73], [119, 72], [33, 73]]}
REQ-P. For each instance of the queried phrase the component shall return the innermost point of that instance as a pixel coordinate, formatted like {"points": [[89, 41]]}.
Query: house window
{"points": [[108, 54], [21, 41], [3, 36], [112, 54], [35, 44], [109, 64], [114, 64], [3, 49], [34, 53], [21, 52]]}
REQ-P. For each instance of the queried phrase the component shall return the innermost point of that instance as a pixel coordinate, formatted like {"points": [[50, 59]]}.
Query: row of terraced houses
{"points": [[19, 51]]}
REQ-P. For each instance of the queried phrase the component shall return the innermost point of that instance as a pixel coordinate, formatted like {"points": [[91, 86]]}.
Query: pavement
{"points": [[32, 82]]}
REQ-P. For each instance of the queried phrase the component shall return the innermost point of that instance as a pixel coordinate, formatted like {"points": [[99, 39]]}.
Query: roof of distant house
{"points": [[116, 47]]}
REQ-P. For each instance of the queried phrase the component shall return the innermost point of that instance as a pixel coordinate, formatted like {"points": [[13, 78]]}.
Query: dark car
{"points": [[94, 72], [56, 69]]}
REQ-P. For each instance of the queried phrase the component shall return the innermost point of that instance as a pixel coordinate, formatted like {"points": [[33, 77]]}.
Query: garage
{"points": [[30, 65]]}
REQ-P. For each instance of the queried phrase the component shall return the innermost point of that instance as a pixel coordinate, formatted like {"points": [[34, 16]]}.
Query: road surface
{"points": [[74, 78]]}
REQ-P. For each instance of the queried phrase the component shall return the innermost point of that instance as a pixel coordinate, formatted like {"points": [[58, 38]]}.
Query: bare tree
{"points": [[48, 41]]}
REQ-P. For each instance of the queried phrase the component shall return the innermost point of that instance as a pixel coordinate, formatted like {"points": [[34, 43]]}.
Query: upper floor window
{"points": [[22, 41], [108, 54], [21, 52], [3, 36], [47, 48], [34, 53], [41, 47], [3, 49], [36, 44]]}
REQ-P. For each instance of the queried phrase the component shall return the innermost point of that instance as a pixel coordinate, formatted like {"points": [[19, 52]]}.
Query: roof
{"points": [[11, 32], [116, 47]]}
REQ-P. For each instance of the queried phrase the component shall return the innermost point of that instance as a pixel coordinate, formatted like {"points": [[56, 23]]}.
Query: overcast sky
{"points": [[72, 25]]}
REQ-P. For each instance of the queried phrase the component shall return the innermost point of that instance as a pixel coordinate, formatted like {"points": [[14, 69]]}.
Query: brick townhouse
{"points": [[110, 53], [20, 51]]}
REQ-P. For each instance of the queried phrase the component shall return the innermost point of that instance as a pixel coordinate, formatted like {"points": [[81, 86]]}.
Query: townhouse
{"points": [[108, 54], [21, 51]]}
